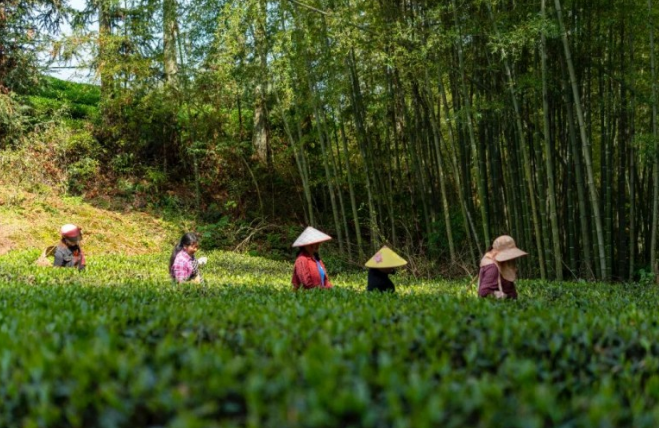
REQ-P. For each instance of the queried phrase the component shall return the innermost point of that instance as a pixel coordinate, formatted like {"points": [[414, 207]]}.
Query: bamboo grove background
{"points": [[431, 126]]}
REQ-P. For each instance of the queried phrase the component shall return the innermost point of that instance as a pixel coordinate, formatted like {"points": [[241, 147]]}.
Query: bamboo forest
{"points": [[430, 126]]}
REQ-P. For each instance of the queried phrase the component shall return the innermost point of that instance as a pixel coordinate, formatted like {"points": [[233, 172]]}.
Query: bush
{"points": [[81, 173], [13, 120], [119, 345]]}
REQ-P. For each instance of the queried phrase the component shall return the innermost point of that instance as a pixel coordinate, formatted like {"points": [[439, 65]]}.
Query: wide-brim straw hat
{"points": [[311, 236], [504, 249], [386, 258]]}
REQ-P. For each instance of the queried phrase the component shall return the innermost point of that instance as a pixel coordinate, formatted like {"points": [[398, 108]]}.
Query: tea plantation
{"points": [[120, 346]]}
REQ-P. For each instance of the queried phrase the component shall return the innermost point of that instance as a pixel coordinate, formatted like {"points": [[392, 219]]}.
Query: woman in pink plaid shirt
{"points": [[182, 264]]}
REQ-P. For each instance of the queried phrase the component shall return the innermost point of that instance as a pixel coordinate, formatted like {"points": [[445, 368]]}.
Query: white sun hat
{"points": [[70, 231], [311, 236]]}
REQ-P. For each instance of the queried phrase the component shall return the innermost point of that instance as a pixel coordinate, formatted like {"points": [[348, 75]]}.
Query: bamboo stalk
{"points": [[549, 161], [655, 135], [584, 142], [470, 129]]}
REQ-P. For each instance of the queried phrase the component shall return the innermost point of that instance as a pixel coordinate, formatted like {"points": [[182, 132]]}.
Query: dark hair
{"points": [[302, 250], [76, 240], [186, 240]]}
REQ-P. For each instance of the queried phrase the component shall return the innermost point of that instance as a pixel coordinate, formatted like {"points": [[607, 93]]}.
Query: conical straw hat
{"points": [[386, 258], [310, 236]]}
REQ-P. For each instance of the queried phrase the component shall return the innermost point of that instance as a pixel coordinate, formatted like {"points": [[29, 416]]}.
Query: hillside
{"points": [[76, 101], [57, 156], [32, 220]]}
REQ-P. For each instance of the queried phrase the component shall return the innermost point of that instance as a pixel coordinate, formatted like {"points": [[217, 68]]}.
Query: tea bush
{"points": [[119, 345]]}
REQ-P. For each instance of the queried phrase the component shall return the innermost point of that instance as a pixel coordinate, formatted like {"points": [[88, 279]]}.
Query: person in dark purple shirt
{"points": [[498, 271]]}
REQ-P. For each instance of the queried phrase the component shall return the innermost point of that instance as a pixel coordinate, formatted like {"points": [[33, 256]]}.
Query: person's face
{"points": [[509, 270], [512, 265], [312, 248], [72, 241], [192, 248]]}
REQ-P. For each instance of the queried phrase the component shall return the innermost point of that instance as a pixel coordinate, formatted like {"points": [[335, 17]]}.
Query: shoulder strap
{"points": [[498, 276]]}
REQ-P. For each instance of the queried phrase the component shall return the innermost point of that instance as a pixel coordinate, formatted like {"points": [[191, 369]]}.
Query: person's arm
{"points": [[83, 261], [295, 280], [489, 280]]}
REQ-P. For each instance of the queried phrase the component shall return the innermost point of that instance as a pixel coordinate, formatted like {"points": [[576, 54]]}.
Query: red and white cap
{"points": [[311, 236], [70, 231]]}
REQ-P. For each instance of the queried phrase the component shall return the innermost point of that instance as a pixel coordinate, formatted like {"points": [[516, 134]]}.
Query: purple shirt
{"points": [[489, 283], [182, 268]]}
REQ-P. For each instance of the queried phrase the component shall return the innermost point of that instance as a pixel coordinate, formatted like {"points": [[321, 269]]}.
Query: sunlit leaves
{"points": [[120, 345]]}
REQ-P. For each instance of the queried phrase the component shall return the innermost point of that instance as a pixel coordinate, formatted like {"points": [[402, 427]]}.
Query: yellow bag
{"points": [[43, 259]]}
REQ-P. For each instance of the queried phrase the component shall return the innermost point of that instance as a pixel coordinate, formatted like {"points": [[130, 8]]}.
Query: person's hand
{"points": [[196, 280], [202, 261]]}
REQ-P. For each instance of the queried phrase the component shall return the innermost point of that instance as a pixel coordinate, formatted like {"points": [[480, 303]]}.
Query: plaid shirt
{"points": [[183, 268]]}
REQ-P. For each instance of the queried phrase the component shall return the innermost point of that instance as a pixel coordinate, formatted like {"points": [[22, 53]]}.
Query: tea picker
{"points": [[68, 252], [498, 271], [309, 271], [183, 266], [381, 265]]}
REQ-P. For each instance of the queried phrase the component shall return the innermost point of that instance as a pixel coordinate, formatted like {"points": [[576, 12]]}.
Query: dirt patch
{"points": [[5, 243]]}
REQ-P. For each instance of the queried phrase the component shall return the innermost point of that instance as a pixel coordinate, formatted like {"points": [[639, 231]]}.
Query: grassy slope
{"points": [[32, 220], [79, 100], [29, 221]]}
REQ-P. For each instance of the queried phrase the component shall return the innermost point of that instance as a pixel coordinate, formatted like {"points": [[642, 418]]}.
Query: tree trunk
{"points": [[584, 142], [549, 158], [260, 136], [328, 176], [105, 60], [434, 121], [170, 31], [482, 196], [580, 185], [526, 159], [299, 162], [363, 143], [353, 203], [470, 228], [655, 135]]}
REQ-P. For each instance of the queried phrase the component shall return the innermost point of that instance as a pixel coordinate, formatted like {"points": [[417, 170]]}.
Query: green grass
{"points": [[72, 92], [73, 102], [119, 345]]}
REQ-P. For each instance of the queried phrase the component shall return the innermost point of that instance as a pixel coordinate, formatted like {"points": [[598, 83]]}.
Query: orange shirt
{"points": [[306, 273]]}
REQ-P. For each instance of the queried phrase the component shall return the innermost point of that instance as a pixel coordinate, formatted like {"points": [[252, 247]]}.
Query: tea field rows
{"points": [[120, 346]]}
